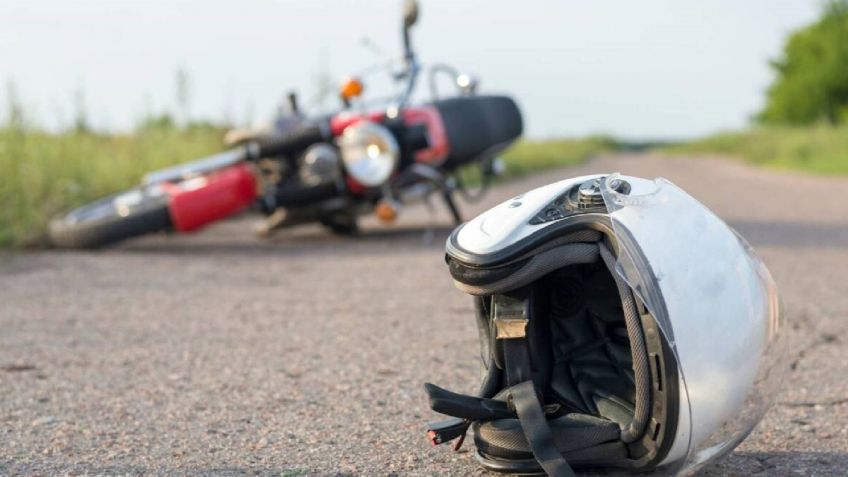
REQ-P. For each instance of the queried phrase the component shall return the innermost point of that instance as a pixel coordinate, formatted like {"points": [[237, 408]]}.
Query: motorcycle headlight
{"points": [[369, 153]]}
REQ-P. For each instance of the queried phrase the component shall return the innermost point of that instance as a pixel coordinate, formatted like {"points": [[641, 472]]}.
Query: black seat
{"points": [[477, 125]]}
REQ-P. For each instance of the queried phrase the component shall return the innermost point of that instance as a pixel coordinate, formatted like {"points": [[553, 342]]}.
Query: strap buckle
{"points": [[447, 430], [509, 316]]}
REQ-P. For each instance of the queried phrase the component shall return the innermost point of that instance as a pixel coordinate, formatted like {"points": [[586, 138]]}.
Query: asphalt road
{"points": [[305, 354]]}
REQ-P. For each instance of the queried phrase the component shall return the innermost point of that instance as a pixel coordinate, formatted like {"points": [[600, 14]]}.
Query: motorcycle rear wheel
{"points": [[111, 219]]}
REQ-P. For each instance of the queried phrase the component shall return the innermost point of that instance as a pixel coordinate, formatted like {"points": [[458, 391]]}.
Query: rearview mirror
{"points": [[410, 13]]}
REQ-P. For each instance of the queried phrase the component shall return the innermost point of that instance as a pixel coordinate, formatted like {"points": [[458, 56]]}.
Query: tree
{"points": [[812, 74]]}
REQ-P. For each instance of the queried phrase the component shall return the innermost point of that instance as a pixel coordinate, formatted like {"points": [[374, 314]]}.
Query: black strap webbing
{"points": [[537, 431], [466, 407], [516, 361]]}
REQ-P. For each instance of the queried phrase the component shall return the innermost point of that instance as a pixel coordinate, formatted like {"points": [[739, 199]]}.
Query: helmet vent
{"points": [[589, 194]]}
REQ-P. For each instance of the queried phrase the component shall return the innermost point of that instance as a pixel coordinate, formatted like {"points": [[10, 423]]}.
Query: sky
{"points": [[652, 69]]}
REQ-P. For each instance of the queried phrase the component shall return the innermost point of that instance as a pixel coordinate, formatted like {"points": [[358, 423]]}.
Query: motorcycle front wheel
{"points": [[111, 219]]}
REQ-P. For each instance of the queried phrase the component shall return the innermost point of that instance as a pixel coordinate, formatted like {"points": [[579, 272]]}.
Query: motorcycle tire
{"points": [[111, 219]]}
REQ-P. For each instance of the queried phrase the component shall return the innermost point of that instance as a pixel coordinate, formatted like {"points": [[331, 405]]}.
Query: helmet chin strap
{"points": [[510, 316], [538, 432]]}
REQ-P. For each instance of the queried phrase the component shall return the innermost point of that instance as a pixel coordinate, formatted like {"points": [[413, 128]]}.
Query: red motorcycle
{"points": [[329, 170]]}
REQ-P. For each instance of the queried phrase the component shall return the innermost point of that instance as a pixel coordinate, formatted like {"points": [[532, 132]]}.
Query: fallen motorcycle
{"points": [[330, 170]]}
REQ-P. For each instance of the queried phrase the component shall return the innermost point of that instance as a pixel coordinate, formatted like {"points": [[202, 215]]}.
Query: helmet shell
{"points": [[713, 298]]}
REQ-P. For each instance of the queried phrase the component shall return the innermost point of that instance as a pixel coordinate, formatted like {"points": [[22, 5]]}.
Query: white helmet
{"points": [[623, 326]]}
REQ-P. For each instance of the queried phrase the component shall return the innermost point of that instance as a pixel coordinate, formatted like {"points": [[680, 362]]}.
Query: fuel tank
{"points": [[196, 202]]}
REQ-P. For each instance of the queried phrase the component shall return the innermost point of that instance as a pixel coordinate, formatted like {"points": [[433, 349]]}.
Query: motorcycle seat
{"points": [[478, 125]]}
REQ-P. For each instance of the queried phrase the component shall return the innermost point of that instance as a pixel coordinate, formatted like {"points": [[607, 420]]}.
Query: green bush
{"points": [[812, 75]]}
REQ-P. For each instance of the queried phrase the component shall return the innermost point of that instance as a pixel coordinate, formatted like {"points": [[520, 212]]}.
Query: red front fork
{"points": [[196, 202]]}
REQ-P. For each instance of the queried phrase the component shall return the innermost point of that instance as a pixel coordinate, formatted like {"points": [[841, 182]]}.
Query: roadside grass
{"points": [[820, 149], [44, 174]]}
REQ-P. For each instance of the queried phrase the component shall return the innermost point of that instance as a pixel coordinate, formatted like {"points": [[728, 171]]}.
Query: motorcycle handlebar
{"points": [[288, 143]]}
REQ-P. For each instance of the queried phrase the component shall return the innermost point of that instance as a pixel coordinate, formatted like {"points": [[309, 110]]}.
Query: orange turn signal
{"points": [[386, 211], [351, 88]]}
